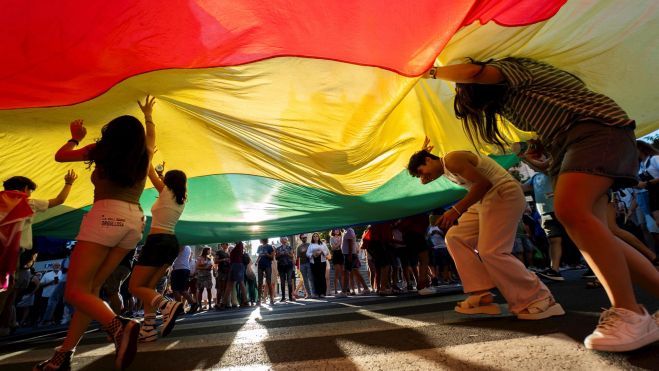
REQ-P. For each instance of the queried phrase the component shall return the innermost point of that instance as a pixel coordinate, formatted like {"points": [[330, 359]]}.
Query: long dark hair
{"points": [[121, 152], [478, 105], [177, 182]]}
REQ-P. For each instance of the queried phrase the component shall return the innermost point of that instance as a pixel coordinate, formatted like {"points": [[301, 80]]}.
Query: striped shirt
{"points": [[549, 101]]}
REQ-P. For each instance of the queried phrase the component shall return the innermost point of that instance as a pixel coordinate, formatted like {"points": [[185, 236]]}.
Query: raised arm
{"points": [[68, 153], [147, 109], [466, 73], [155, 178], [69, 179]]}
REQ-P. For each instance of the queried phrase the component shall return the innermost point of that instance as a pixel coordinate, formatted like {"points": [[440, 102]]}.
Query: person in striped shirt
{"points": [[592, 145]]}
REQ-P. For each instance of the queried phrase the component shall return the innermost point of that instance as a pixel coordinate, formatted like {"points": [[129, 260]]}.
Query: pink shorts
{"points": [[113, 223]]}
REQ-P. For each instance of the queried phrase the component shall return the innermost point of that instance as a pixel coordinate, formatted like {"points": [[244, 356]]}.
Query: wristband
{"points": [[73, 141], [68, 183], [433, 72], [456, 210]]}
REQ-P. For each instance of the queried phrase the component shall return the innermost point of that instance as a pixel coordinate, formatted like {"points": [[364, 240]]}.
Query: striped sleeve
{"points": [[515, 74]]}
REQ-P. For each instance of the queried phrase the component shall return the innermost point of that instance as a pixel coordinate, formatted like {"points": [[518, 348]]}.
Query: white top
{"points": [[335, 242], [651, 165], [496, 174], [48, 278], [38, 206], [182, 261], [437, 240], [315, 250], [166, 211]]}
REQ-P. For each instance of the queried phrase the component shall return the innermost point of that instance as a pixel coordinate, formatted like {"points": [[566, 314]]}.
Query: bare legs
{"points": [[91, 265], [580, 203]]}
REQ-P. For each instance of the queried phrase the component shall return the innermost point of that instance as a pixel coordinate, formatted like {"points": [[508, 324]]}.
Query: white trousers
{"points": [[489, 227]]}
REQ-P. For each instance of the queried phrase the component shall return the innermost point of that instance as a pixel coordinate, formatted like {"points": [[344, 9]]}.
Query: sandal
{"points": [[472, 305], [541, 309]]}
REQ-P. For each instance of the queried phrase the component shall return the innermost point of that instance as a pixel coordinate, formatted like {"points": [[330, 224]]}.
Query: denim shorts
{"points": [[113, 223], [595, 148]]}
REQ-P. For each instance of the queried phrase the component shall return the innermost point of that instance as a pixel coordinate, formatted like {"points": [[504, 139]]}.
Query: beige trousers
{"points": [[489, 227]]}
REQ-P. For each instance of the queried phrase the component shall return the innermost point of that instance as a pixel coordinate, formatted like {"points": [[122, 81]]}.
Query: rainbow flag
{"points": [[289, 116]]}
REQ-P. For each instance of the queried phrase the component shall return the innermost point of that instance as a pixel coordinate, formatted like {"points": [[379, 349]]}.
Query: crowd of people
{"points": [[585, 149]]}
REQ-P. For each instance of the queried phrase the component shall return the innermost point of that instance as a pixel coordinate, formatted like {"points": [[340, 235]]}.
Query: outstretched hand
{"points": [[147, 107], [426, 145], [78, 130], [70, 177]]}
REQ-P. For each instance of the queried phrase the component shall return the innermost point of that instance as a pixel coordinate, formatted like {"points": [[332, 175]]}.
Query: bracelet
{"points": [[68, 183], [73, 141], [456, 210]]}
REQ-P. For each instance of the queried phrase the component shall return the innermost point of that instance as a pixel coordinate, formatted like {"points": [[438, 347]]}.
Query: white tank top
{"points": [[165, 212], [496, 174]]}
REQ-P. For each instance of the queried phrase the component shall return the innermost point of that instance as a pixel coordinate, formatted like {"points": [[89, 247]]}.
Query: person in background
{"points": [[305, 267], [27, 186], [317, 254], [222, 270], [351, 262], [337, 258], [265, 254], [180, 277], [285, 258], [204, 266], [250, 278], [237, 275], [49, 282], [112, 285]]}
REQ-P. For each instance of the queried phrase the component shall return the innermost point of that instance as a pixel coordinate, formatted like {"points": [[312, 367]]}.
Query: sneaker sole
{"points": [[128, 348], [639, 343], [167, 327]]}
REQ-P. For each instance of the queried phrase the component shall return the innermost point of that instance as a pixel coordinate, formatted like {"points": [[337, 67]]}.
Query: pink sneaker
{"points": [[621, 330]]}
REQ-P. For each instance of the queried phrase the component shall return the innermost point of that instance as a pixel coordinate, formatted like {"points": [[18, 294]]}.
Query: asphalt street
{"points": [[406, 332]]}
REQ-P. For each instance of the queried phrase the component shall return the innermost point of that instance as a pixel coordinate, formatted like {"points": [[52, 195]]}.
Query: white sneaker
{"points": [[621, 330], [428, 290], [170, 312], [147, 334]]}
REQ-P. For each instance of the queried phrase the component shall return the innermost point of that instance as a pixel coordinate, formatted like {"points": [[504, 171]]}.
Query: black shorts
{"points": [[376, 250], [179, 279], [415, 243], [337, 257], [160, 249], [552, 227], [350, 265]]}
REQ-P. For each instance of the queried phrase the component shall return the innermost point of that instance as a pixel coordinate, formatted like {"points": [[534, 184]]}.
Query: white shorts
{"points": [[113, 223]]}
